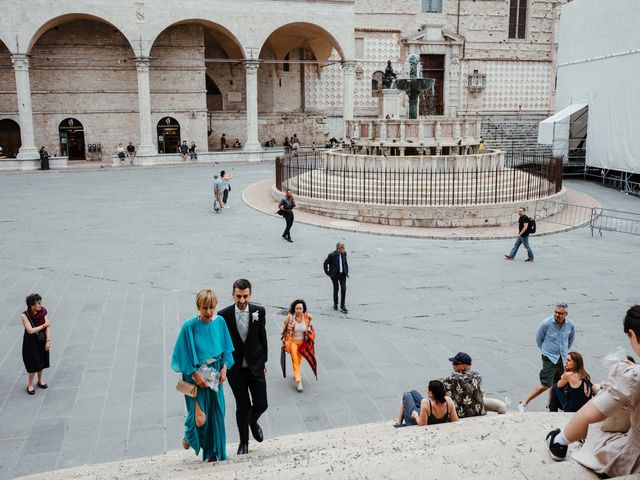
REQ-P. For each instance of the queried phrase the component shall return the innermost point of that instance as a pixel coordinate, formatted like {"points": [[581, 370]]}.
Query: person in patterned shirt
{"points": [[464, 386]]}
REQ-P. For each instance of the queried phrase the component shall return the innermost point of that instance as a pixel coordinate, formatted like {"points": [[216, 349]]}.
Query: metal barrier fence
{"points": [[526, 177], [598, 219]]}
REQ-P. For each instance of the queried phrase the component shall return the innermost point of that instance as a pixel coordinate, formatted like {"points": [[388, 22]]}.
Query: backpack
{"points": [[532, 225]]}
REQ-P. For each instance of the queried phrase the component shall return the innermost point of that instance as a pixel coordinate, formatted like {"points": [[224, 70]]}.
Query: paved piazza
{"points": [[118, 256]]}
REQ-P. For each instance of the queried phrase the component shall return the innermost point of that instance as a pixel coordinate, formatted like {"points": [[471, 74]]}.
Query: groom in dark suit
{"points": [[337, 268], [246, 324]]}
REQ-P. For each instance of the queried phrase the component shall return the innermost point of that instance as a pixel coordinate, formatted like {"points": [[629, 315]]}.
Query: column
{"points": [[348, 83], [251, 69], [28, 149], [144, 104]]}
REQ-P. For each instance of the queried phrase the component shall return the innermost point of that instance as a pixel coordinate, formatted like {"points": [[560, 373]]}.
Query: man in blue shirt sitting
{"points": [[554, 337]]}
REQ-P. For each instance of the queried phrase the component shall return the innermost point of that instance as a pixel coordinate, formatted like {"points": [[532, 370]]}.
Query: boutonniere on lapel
{"points": [[255, 316]]}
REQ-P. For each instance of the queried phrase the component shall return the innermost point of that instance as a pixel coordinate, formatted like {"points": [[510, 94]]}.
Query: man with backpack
{"points": [[525, 227]]}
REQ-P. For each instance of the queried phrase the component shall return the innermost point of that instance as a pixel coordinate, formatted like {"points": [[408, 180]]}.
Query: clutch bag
{"points": [[186, 388]]}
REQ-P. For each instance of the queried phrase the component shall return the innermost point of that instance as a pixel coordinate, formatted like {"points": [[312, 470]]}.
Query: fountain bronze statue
{"points": [[414, 85]]}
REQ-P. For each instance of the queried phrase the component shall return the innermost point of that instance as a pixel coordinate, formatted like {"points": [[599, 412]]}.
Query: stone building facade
{"points": [[82, 76]]}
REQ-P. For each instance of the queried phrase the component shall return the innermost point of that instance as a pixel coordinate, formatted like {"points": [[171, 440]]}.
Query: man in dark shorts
{"points": [[183, 150], [522, 238], [554, 337]]}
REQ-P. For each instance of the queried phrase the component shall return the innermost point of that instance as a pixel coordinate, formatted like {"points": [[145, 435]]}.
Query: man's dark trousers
{"points": [[243, 383], [288, 217], [340, 279]]}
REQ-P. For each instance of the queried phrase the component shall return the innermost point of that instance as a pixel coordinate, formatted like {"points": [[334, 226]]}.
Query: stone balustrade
{"points": [[489, 160], [420, 133]]}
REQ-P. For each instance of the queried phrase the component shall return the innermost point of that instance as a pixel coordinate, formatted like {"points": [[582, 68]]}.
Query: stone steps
{"points": [[493, 447]]}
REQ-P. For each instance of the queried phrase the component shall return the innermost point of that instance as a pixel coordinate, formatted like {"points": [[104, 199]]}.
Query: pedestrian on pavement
{"points": [[554, 338], [285, 209], [218, 189], [44, 158], [612, 453], [523, 236], [223, 142], [296, 329], [227, 186], [203, 355], [464, 386], [337, 268], [183, 150], [36, 341], [131, 152], [246, 322], [121, 153], [436, 408], [574, 388]]}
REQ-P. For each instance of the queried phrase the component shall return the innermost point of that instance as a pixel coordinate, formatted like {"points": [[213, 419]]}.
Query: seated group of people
{"points": [[459, 395]]}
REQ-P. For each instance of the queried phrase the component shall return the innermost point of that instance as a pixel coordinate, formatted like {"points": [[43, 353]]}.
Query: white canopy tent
{"points": [[598, 66], [556, 130]]}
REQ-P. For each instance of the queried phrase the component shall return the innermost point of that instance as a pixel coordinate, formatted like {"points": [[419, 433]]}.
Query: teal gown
{"points": [[197, 343]]}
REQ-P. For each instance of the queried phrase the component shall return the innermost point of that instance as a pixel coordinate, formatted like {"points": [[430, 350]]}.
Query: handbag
{"points": [[42, 337], [186, 388]]}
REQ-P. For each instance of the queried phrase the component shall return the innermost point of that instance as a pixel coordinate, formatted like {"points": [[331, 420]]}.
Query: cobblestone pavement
{"points": [[118, 256]]}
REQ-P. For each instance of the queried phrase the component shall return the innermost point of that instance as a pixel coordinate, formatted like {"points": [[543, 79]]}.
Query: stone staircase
{"points": [[493, 447], [513, 132]]}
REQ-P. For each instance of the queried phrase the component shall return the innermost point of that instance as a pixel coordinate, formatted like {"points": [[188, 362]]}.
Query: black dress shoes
{"points": [[256, 431], [243, 448], [335, 307], [344, 310]]}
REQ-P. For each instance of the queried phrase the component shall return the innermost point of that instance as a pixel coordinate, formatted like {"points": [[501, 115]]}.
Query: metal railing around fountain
{"points": [[526, 177]]}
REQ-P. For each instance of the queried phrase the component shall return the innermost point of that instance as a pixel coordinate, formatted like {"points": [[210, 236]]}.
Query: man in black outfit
{"points": [[246, 324], [522, 238], [337, 268], [285, 208]]}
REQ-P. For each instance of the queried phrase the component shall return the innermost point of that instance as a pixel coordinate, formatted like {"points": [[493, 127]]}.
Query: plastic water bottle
{"points": [[610, 359]]}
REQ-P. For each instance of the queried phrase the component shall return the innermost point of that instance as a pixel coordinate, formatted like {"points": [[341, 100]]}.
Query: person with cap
{"points": [[464, 386], [554, 338]]}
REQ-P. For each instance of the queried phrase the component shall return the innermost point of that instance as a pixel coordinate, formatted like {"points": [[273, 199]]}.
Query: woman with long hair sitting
{"points": [[574, 388], [436, 408]]}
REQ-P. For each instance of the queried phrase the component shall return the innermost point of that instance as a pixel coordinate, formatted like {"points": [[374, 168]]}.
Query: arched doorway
{"points": [[72, 139], [9, 138], [168, 135]]}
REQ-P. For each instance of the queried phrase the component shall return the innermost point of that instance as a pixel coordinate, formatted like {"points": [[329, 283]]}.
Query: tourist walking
{"points": [[44, 158], [183, 150], [223, 142], [297, 329], [203, 355], [131, 152], [227, 186], [610, 450], [574, 388], [218, 189], [121, 153], [36, 341], [193, 151], [554, 338], [337, 268], [246, 322], [436, 408], [285, 209], [524, 224]]}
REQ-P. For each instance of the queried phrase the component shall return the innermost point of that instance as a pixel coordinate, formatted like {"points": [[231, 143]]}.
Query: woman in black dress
{"points": [[36, 341]]}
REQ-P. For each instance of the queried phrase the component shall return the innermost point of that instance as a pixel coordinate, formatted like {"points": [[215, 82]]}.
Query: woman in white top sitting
{"points": [[297, 325]]}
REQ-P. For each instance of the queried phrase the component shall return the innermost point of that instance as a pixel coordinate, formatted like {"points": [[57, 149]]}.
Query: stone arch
{"points": [[302, 34], [10, 140], [71, 133], [376, 82], [70, 17], [168, 132]]}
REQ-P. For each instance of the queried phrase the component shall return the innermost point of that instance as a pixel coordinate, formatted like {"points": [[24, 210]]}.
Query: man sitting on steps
{"points": [[464, 386]]}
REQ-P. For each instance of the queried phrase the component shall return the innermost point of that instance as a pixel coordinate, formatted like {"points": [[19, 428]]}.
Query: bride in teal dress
{"points": [[204, 340]]}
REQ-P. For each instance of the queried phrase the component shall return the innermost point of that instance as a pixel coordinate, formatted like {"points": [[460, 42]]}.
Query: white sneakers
{"points": [[299, 387], [521, 407]]}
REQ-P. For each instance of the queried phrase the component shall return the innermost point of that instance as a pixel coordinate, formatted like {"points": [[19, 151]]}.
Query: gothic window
{"points": [[517, 18], [432, 6], [376, 82]]}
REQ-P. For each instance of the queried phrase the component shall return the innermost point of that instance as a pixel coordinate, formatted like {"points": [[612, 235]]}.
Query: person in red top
{"points": [[36, 341]]}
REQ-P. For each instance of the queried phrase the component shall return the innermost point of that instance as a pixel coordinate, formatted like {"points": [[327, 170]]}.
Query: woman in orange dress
{"points": [[297, 326]]}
